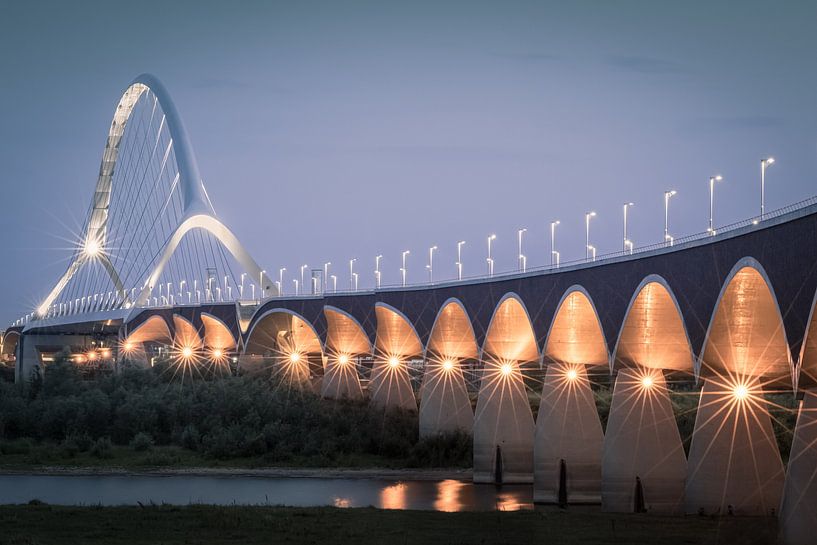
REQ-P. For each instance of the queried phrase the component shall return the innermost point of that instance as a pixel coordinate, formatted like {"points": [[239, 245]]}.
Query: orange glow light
{"points": [[91, 355], [187, 352], [506, 369], [343, 359], [572, 374], [647, 382], [741, 392], [394, 361], [448, 365], [218, 353], [294, 357]]}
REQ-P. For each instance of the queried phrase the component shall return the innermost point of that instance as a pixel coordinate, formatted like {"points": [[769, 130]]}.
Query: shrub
{"points": [[20, 446], [142, 442], [190, 438], [102, 448]]}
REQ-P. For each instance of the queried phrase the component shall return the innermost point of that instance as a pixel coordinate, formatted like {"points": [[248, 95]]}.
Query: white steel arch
{"points": [[197, 209]]}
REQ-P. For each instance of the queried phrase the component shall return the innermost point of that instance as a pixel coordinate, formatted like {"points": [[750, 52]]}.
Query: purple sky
{"points": [[331, 130]]}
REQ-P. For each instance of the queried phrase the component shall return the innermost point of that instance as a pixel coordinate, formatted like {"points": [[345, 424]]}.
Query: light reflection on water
{"points": [[445, 495]]}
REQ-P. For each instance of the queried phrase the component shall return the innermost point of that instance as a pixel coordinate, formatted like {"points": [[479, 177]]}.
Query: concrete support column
{"points": [[568, 432], [644, 465], [503, 428], [391, 385], [798, 515], [734, 462], [341, 379], [444, 402]]}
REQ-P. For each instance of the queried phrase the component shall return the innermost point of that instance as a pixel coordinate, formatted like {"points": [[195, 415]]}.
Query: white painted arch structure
{"points": [[197, 212]]}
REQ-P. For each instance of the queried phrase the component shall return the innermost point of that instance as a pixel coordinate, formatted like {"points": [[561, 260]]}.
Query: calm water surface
{"points": [[445, 495]]}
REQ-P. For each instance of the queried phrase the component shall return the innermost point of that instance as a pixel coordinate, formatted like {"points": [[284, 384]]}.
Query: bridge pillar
{"points": [[642, 447], [734, 462], [444, 402], [341, 379], [390, 384], [798, 515], [569, 435]]}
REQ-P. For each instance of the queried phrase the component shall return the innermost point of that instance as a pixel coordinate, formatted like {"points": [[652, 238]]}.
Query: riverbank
{"points": [[45, 525], [409, 474]]}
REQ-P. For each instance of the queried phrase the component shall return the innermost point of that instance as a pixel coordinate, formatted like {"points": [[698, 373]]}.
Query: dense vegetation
{"points": [[220, 418]]}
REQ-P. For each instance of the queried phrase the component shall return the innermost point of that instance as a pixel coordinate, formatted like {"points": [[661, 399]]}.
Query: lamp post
{"points": [[431, 264], [522, 260], [403, 268], [667, 196], [764, 164], [355, 276], [326, 275], [490, 259], [459, 259], [712, 180], [377, 259], [587, 217], [297, 290], [260, 283], [334, 284], [554, 255], [303, 268], [241, 289], [352, 274], [281, 272], [627, 242]]}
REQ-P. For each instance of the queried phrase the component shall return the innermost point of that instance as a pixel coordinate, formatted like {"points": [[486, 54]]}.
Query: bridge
{"points": [[156, 274]]}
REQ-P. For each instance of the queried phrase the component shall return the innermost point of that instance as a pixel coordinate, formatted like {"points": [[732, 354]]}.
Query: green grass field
{"points": [[42, 524]]}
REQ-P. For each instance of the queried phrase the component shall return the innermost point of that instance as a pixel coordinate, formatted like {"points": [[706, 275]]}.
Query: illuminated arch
{"points": [[444, 402], [345, 342], [293, 344], [503, 423], [186, 333], [216, 333], [575, 335], [10, 340], [154, 329], [806, 372], [734, 462], [746, 336], [395, 343], [568, 429], [642, 446]]}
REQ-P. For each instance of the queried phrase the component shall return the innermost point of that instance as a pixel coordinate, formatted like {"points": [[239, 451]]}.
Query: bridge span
{"points": [[730, 314]]}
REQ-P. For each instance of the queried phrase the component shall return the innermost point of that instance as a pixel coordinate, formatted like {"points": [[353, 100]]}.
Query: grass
{"points": [[43, 525]]}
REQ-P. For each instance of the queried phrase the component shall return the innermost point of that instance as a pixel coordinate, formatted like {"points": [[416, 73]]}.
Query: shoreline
{"points": [[407, 474]]}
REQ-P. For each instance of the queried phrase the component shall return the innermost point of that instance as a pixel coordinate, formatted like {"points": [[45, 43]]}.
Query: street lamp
{"points": [[260, 283], [764, 164], [627, 242], [554, 255], [403, 268], [334, 284], [303, 267], [377, 259], [459, 259], [241, 289], [431, 264], [297, 290], [712, 180], [667, 196], [490, 259], [352, 273], [281, 272], [522, 260], [355, 276], [326, 275], [587, 246], [592, 252]]}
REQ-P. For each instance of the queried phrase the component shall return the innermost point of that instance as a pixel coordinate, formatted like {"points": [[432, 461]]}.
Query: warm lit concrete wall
{"points": [[567, 428], [798, 515], [345, 342], [734, 463], [444, 402], [503, 415], [395, 344], [642, 441]]}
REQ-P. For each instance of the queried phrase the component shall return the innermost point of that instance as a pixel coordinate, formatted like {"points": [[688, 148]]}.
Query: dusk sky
{"points": [[331, 130]]}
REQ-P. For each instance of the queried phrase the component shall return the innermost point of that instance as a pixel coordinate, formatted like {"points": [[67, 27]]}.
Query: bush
{"points": [[142, 442], [20, 446], [190, 438], [102, 448]]}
